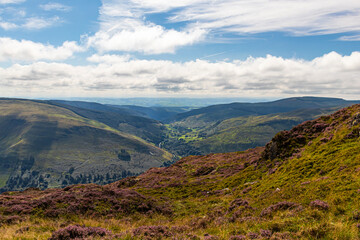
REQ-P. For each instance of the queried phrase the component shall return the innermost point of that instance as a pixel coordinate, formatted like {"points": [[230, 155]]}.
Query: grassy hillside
{"points": [[240, 133], [43, 145], [122, 119], [214, 129], [304, 184], [225, 111], [240, 126]]}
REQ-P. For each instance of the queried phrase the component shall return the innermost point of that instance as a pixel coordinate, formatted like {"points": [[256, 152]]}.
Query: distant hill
{"points": [[226, 111], [213, 129], [157, 113], [304, 184], [43, 145], [240, 126], [166, 102]]}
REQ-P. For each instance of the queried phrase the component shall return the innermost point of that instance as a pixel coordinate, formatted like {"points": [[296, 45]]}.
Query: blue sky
{"points": [[184, 48]]}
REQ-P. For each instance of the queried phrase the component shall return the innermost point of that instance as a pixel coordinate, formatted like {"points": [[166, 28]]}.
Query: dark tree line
{"points": [[95, 178], [33, 179]]}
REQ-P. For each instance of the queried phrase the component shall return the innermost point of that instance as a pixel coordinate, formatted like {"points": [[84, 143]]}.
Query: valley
{"points": [[304, 184], [54, 143]]}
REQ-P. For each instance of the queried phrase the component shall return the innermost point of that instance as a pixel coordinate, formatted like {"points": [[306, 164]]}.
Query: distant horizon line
{"points": [[175, 97]]}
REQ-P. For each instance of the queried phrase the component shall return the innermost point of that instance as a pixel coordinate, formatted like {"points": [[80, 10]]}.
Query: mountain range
{"points": [[56, 143], [303, 184]]}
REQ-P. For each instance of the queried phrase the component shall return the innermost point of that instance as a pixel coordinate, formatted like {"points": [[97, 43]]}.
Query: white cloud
{"points": [[55, 6], [305, 17], [7, 25], [350, 38], [146, 38], [14, 50], [109, 59], [117, 76], [123, 28], [11, 1], [17, 18], [123, 24], [32, 23], [39, 23]]}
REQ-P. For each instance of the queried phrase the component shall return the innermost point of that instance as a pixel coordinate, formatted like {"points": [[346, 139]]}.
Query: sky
{"points": [[183, 48]]}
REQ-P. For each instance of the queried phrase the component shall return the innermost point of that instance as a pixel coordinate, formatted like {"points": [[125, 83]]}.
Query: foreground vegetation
{"points": [[305, 184]]}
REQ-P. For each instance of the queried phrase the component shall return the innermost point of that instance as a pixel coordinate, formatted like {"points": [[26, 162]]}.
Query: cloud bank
{"points": [[118, 76]]}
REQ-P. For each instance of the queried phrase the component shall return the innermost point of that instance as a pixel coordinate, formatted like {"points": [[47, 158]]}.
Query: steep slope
{"points": [[123, 119], [304, 184], [43, 145]]}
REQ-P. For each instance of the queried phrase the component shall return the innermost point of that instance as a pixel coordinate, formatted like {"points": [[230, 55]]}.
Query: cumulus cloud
{"points": [[53, 6], [145, 38], [14, 50], [124, 28], [116, 76]]}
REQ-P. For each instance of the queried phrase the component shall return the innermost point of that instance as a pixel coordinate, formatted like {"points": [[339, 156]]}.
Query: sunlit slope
{"points": [[51, 146], [122, 119]]}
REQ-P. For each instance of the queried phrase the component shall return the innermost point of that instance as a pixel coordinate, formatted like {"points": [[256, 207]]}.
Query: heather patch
{"points": [[321, 205], [237, 237], [281, 206], [204, 170], [80, 232], [91, 200], [152, 232], [237, 203]]}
